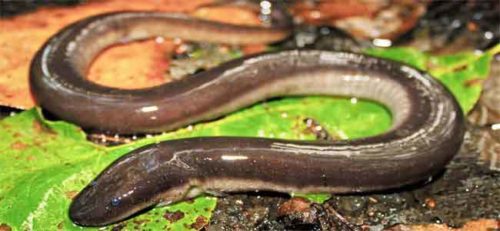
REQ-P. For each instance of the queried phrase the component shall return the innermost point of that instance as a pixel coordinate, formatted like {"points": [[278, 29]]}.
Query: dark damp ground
{"points": [[8, 111], [468, 189], [13, 7]]}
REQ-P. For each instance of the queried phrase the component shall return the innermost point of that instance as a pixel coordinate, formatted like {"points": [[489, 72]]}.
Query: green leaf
{"points": [[45, 163], [313, 197], [406, 55], [462, 73]]}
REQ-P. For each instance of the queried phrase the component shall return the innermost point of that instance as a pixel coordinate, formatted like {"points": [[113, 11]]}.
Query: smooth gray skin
{"points": [[427, 129]]}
